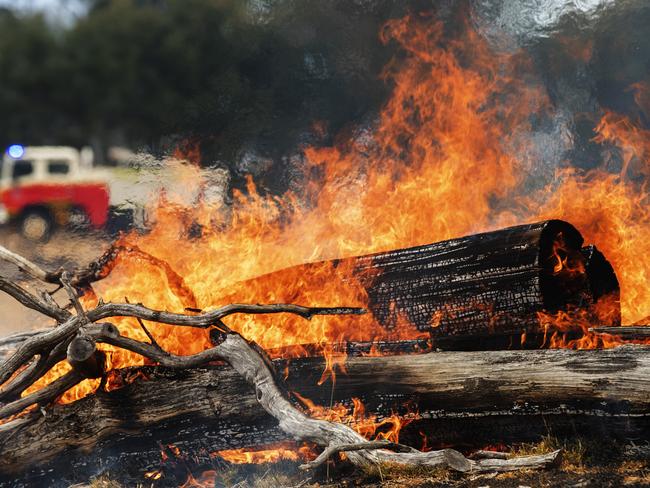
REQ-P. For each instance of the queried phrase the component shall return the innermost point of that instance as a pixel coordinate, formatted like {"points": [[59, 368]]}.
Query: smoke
{"points": [[585, 54]]}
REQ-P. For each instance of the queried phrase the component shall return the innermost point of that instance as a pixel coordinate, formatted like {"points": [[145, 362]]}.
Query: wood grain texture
{"points": [[505, 393]]}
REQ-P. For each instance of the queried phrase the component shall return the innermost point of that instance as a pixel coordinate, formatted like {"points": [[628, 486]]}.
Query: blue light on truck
{"points": [[16, 151]]}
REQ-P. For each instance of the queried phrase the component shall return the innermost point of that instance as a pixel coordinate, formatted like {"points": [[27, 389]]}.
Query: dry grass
{"points": [[574, 452], [103, 482]]}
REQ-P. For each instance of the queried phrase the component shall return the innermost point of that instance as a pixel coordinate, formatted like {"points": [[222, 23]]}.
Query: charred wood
{"points": [[630, 333], [486, 288]]}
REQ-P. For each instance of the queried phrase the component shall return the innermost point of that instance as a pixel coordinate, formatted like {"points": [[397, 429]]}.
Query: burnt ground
{"points": [[585, 463], [630, 473]]}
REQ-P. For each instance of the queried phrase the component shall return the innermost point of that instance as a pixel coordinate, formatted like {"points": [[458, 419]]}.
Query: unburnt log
{"points": [[505, 396]]}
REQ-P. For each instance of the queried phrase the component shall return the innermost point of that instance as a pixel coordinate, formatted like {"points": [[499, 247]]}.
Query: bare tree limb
{"points": [[43, 396], [48, 308], [72, 294], [332, 450], [83, 356], [27, 267], [152, 340], [245, 357], [48, 339], [33, 372], [247, 362], [208, 319], [480, 454], [335, 437], [37, 344]]}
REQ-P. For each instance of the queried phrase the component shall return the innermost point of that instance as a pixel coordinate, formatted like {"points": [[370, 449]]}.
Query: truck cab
{"points": [[48, 186]]}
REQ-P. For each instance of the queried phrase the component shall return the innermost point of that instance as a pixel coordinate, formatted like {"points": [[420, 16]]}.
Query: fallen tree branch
{"points": [[28, 267], [48, 308], [481, 454], [251, 366], [43, 396], [33, 372], [245, 357], [248, 362], [49, 338], [72, 294], [361, 446], [527, 395]]}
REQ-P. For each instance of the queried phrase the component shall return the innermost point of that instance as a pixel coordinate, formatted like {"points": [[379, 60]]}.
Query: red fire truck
{"points": [[42, 187]]}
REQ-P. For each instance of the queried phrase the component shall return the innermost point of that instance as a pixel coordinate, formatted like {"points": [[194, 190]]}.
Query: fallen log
{"points": [[480, 291], [492, 396]]}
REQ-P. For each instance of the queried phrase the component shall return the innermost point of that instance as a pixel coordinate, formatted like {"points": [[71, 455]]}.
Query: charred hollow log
{"points": [[480, 291], [495, 396]]}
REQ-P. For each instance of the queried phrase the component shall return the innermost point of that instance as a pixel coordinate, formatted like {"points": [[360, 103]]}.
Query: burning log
{"points": [[483, 290]]}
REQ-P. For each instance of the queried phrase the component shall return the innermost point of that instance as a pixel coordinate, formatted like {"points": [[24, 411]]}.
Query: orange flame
{"points": [[448, 156], [206, 480], [267, 454], [356, 417]]}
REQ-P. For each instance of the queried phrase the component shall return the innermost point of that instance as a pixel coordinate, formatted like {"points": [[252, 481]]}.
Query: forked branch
{"points": [[77, 335]]}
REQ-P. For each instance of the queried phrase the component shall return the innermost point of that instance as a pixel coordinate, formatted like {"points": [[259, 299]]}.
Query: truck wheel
{"points": [[36, 225]]}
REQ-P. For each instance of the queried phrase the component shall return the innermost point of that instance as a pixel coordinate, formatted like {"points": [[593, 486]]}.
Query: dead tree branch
{"points": [[247, 361], [28, 267], [49, 338], [43, 396], [48, 308], [236, 351], [361, 446]]}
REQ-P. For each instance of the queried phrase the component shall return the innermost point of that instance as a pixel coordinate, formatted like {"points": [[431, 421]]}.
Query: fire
{"points": [[562, 259], [447, 156], [268, 454], [206, 480], [357, 418]]}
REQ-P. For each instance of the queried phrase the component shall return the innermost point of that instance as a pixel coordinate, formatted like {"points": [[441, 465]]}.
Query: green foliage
{"points": [[228, 71]]}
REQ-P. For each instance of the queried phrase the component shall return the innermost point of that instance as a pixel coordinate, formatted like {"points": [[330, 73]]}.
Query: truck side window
{"points": [[22, 168], [58, 167]]}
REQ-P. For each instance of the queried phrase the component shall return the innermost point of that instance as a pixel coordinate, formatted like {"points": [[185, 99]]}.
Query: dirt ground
{"points": [[64, 249]]}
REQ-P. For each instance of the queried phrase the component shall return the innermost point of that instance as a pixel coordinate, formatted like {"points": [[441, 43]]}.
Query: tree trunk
{"points": [[462, 398]]}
